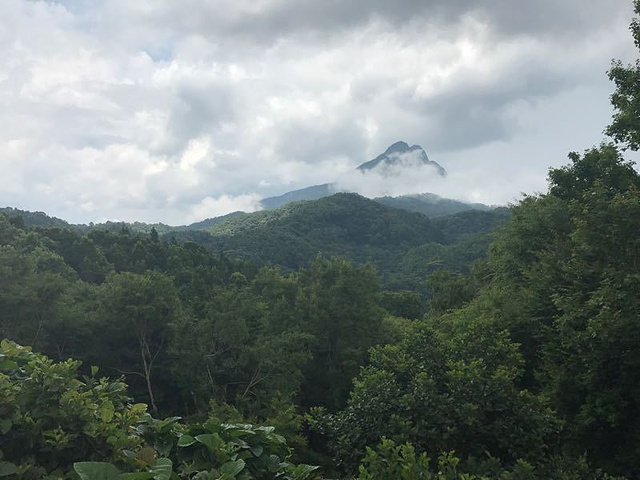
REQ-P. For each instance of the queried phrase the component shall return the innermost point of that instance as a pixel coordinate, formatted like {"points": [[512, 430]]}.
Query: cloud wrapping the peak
{"points": [[178, 111]]}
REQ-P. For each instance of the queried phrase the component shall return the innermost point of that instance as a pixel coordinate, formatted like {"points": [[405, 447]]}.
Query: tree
{"points": [[449, 385], [565, 284], [134, 314], [625, 127], [342, 308]]}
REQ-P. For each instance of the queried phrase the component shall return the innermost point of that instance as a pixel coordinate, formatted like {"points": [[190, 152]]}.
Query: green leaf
{"points": [[257, 450], [94, 370], [146, 456], [232, 468], [211, 440], [137, 476], [96, 471], [7, 468], [5, 425], [167, 422], [303, 471], [186, 441], [106, 411], [8, 365], [162, 469]]}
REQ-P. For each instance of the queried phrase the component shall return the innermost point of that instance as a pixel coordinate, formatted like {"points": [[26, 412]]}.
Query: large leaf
{"points": [[7, 468], [257, 450], [8, 365], [5, 426], [96, 471], [162, 469], [146, 456], [107, 411], [186, 441], [212, 441], [302, 471], [232, 468], [137, 476]]}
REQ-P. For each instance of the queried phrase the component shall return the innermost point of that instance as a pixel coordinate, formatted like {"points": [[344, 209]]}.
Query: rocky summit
{"points": [[401, 155]]}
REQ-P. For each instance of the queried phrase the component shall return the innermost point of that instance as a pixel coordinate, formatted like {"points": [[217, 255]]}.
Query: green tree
{"points": [[134, 315], [448, 386], [565, 284], [345, 318], [625, 127]]}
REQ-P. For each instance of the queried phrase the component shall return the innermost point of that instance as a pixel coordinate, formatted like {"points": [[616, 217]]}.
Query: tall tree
{"points": [[625, 127], [134, 315]]}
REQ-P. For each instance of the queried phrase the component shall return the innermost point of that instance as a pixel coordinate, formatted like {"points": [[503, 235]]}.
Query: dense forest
{"points": [[336, 338]]}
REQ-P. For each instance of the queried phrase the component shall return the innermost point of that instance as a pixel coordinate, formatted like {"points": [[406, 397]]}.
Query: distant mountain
{"points": [[209, 222], [401, 155], [355, 228], [430, 204], [33, 219], [397, 157], [344, 224], [310, 193]]}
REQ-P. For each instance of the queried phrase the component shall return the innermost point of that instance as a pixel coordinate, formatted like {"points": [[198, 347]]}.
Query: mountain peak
{"points": [[401, 154], [398, 147]]}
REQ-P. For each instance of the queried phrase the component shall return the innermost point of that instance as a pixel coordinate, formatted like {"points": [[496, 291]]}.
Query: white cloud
{"points": [[210, 207], [163, 111]]}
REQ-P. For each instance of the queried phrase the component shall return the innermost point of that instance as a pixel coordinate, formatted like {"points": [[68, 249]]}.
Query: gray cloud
{"points": [[268, 20]]}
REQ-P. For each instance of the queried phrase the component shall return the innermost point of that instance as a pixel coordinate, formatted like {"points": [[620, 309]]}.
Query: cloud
{"points": [[163, 111], [210, 207]]}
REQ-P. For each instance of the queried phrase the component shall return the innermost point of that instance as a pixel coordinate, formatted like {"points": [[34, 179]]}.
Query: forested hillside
{"points": [[399, 243], [370, 342]]}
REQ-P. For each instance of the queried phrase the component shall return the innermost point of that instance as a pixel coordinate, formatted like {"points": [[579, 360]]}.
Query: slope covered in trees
{"points": [[355, 228]]}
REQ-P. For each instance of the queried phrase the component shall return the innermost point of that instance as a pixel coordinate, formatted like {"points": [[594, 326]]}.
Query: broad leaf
{"points": [[232, 468], [96, 471], [186, 441], [162, 469], [7, 468]]}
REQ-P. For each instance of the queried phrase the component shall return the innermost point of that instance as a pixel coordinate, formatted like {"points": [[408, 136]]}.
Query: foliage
{"points": [[625, 127], [51, 422], [448, 386], [50, 419], [351, 227], [389, 460], [566, 267]]}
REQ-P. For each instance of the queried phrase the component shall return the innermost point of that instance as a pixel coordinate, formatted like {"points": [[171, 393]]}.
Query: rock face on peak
{"points": [[401, 155]]}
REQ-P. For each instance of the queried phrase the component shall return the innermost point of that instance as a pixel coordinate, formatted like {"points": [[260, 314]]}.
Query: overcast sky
{"points": [[175, 111]]}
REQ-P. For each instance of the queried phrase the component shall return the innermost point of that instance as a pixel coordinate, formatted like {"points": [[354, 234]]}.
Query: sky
{"points": [[176, 111]]}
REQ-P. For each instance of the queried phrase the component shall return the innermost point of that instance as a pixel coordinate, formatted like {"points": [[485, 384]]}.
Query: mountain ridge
{"points": [[393, 156], [396, 158]]}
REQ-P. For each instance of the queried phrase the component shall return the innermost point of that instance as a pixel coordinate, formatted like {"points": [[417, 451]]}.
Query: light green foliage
{"points": [[625, 128], [50, 419], [449, 386], [51, 422], [389, 460]]}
